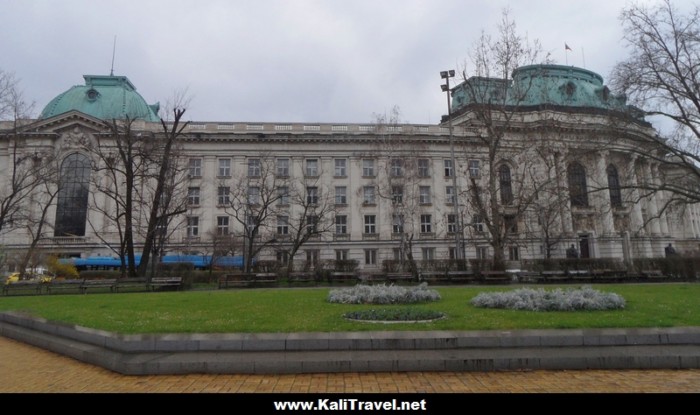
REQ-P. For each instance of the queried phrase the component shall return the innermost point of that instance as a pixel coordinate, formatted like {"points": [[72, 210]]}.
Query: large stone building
{"points": [[564, 170]]}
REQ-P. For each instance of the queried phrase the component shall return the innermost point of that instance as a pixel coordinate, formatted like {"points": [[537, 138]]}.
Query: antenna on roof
{"points": [[114, 49]]}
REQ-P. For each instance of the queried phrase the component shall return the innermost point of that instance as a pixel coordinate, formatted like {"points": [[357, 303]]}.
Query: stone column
{"points": [[602, 197], [565, 209], [660, 199], [636, 218], [652, 208]]}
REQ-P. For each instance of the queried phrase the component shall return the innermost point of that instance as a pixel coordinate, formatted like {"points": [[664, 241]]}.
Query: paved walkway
{"points": [[25, 368]]}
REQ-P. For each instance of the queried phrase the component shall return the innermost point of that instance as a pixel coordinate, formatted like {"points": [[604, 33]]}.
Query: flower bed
{"points": [[394, 315], [383, 294], [584, 298]]}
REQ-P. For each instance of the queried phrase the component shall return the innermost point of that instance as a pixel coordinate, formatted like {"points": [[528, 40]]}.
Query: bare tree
{"points": [[403, 168], [504, 187], [20, 180], [137, 169], [661, 76], [311, 214], [253, 201]]}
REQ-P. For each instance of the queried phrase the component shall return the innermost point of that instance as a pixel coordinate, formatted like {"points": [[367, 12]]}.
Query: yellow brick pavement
{"points": [[25, 368]]}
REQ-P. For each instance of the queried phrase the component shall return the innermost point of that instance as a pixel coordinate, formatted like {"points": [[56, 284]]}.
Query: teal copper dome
{"points": [[538, 85], [103, 97]]}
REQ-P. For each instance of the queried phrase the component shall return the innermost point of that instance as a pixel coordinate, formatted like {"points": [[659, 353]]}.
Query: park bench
{"points": [[554, 276], [342, 277], [126, 283], [579, 275], [398, 277], [101, 283], [653, 275], [265, 279], [461, 277], [528, 276], [235, 280], [25, 286], [64, 285], [165, 282], [301, 277], [371, 277], [434, 277], [495, 277]]}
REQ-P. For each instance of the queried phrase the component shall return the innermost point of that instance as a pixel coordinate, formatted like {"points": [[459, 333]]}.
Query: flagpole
{"points": [[584, 58]]}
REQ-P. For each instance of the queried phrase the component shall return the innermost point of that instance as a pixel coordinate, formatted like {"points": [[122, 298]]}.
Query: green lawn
{"points": [[306, 310]]}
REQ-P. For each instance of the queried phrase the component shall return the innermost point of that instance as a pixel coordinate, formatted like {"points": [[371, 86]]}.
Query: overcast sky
{"points": [[327, 61]]}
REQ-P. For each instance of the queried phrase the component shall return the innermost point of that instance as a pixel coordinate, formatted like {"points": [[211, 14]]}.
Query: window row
{"points": [[340, 167]]}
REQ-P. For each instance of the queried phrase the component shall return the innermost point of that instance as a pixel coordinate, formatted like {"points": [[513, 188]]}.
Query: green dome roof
{"points": [[536, 85], [103, 97]]}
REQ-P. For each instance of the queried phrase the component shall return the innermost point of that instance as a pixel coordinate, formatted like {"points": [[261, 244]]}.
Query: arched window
{"points": [[71, 208], [614, 186], [505, 184], [578, 190]]}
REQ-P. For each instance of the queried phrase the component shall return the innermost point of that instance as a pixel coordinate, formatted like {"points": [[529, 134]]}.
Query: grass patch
{"points": [[307, 310]]}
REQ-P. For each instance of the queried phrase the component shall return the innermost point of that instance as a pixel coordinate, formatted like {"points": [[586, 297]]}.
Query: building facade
{"points": [[559, 162]]}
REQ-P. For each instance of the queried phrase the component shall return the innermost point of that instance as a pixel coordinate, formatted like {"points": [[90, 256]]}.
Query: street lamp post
{"points": [[459, 246]]}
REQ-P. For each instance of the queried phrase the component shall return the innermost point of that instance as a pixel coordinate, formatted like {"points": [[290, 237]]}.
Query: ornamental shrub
{"points": [[584, 298], [383, 294]]}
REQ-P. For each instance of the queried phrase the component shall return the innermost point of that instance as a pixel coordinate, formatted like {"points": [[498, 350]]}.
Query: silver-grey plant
{"points": [[383, 294], [570, 299]]}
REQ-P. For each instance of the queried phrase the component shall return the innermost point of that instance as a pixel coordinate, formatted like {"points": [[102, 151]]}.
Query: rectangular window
{"points": [[474, 170], [370, 257], [511, 223], [341, 195], [513, 254], [192, 226], [482, 252], [222, 225], [423, 167], [224, 167], [368, 196], [397, 194], [340, 167], [426, 225], [282, 225], [396, 167], [253, 195], [193, 196], [449, 169], [312, 195], [397, 223], [453, 252], [341, 224], [424, 194], [370, 224], [222, 195], [312, 224], [312, 167], [282, 167], [368, 167], [283, 257], [341, 254], [452, 223], [428, 254], [478, 223], [312, 257], [195, 168], [283, 195], [254, 168], [397, 253], [449, 194]]}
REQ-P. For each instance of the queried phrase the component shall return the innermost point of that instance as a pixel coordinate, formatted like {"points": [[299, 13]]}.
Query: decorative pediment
{"points": [[68, 121]]}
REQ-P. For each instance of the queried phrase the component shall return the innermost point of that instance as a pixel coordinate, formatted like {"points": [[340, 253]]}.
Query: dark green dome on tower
{"points": [[103, 97]]}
